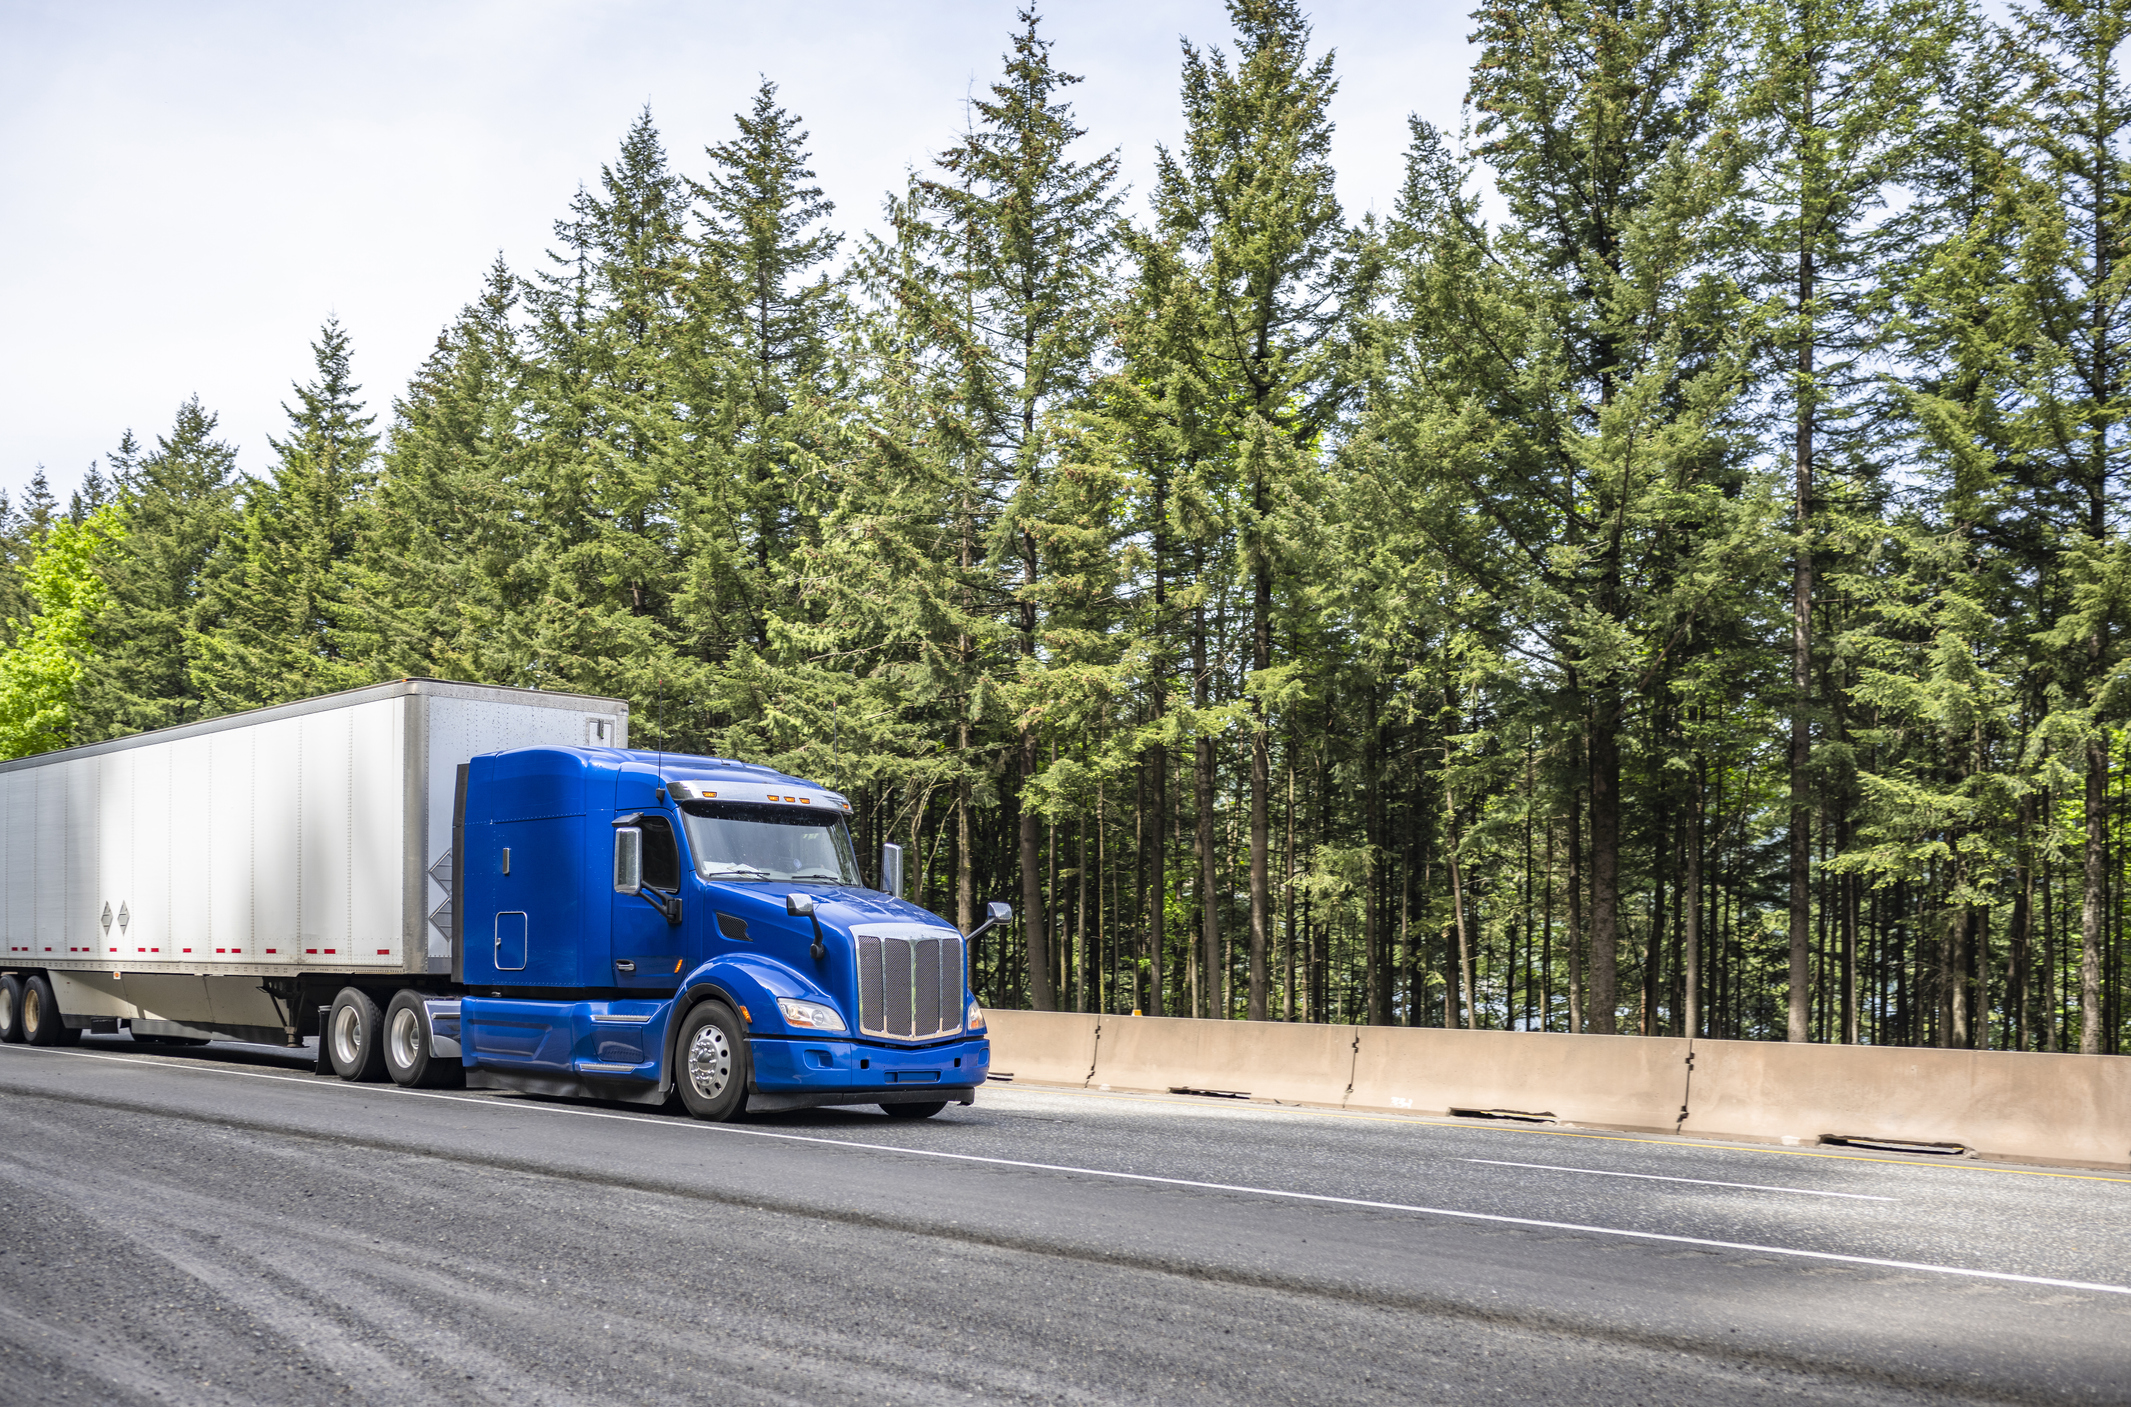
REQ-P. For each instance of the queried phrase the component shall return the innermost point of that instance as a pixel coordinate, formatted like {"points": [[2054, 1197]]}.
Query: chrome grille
{"points": [[910, 988]]}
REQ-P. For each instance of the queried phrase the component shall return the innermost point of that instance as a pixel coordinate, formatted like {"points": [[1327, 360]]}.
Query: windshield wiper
{"points": [[816, 874], [724, 868]]}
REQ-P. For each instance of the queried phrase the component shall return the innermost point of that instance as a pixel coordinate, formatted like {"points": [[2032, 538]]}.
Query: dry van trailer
{"points": [[222, 879]]}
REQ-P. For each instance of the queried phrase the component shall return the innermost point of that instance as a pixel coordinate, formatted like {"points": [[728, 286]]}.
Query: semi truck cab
{"points": [[631, 925]]}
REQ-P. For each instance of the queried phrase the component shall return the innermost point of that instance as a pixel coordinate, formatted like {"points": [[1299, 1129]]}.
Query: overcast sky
{"points": [[189, 190]]}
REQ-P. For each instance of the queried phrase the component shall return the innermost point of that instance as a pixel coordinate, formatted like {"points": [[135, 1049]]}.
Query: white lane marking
{"points": [[1453, 1213], [1697, 1181]]}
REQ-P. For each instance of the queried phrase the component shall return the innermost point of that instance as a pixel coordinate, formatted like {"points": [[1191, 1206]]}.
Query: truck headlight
{"points": [[976, 1017], [809, 1016]]}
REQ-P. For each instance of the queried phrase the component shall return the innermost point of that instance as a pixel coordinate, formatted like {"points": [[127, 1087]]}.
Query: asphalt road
{"points": [[219, 1226]]}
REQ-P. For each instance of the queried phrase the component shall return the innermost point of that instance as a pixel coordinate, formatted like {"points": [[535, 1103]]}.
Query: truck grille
{"points": [[909, 988]]}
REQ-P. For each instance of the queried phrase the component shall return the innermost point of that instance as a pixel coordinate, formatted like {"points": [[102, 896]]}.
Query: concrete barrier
{"points": [[1049, 1047], [2002, 1104], [1614, 1081], [2070, 1109], [1277, 1060]]}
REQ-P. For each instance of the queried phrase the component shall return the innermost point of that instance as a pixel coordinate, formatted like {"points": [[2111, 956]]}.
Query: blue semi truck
{"points": [[450, 882], [706, 932]]}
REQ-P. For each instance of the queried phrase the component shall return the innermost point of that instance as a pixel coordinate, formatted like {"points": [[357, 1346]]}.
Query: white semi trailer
{"points": [[222, 879]]}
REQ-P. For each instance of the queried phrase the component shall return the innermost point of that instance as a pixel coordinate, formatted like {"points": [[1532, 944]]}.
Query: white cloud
{"points": [[193, 189]]}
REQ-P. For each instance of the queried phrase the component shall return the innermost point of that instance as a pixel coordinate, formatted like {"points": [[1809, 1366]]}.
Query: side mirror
{"points": [[802, 906], [998, 911], [628, 860], [892, 869]]}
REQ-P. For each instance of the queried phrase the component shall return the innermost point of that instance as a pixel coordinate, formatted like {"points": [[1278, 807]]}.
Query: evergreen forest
{"points": [[1666, 574]]}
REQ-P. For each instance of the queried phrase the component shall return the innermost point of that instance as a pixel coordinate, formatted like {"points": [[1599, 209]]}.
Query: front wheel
{"points": [[710, 1063], [913, 1111]]}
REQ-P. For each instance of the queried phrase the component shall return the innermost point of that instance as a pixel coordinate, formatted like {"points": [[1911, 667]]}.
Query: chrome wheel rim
{"points": [[710, 1062], [348, 1037], [404, 1037]]}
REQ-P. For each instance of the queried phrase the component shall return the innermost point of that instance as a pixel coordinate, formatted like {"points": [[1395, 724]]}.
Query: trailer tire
{"points": [[355, 1029], [409, 1058], [41, 1022], [711, 1063], [11, 1009], [923, 1110]]}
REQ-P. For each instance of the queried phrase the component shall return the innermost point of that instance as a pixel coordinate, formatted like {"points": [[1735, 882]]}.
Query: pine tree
{"points": [[274, 596], [1250, 197], [2072, 122], [442, 559], [174, 504], [1021, 255], [1836, 94], [1573, 382]]}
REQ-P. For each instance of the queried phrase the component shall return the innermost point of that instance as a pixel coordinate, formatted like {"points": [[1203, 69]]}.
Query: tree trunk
{"points": [[1575, 906], [1202, 798], [1801, 754], [1603, 1016], [2093, 896], [1691, 896], [1261, 785], [1158, 890], [1034, 925], [1457, 909]]}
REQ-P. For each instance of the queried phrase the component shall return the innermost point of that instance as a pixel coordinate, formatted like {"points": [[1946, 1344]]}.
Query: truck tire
{"points": [[355, 1029], [913, 1111], [710, 1063], [408, 1057], [40, 1020], [11, 1009]]}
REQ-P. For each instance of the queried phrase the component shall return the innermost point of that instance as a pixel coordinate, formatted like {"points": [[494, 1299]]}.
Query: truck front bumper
{"points": [[800, 1072]]}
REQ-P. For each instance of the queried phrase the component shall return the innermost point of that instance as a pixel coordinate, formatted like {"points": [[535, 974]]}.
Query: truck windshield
{"points": [[739, 840]]}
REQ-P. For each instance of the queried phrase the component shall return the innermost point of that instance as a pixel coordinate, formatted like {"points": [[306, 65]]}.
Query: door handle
{"points": [[625, 966]]}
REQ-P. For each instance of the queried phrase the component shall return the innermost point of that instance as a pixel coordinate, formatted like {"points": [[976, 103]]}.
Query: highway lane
{"points": [[217, 1225]]}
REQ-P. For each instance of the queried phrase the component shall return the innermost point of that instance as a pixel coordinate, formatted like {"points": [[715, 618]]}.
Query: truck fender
{"points": [[748, 983]]}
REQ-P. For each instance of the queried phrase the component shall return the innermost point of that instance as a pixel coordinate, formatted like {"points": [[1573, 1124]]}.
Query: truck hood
{"points": [[840, 907]]}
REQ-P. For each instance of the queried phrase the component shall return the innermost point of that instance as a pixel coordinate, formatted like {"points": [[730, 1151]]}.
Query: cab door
{"points": [[650, 954]]}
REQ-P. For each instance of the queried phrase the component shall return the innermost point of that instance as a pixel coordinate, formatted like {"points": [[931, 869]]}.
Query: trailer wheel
{"points": [[40, 1020], [710, 1063], [408, 1057], [11, 1009], [355, 1031], [913, 1111]]}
